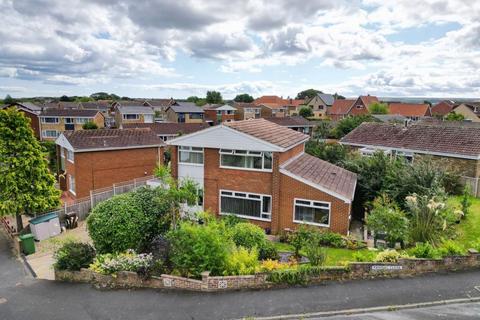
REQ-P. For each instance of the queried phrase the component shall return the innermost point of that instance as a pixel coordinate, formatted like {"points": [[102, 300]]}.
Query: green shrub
{"points": [[248, 235], [299, 275], [231, 220], [268, 251], [388, 256], [128, 221], [109, 263], [241, 261], [198, 248], [424, 250], [450, 248], [331, 239], [315, 253], [364, 256], [73, 256], [298, 238]]}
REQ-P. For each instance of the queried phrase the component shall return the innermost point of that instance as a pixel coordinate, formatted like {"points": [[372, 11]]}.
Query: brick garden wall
{"points": [[358, 270]]}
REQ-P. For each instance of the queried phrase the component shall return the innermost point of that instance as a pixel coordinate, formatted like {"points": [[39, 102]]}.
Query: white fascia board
{"points": [[432, 153], [316, 186], [63, 142]]}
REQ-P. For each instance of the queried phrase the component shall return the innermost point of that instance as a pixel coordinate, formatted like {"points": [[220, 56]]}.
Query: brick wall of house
{"points": [[101, 169], [216, 178], [285, 156], [291, 189], [465, 167], [34, 123], [354, 111], [188, 119], [99, 120], [265, 112]]}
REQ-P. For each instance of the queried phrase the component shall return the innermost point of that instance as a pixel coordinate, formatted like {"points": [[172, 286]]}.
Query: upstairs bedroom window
{"points": [[190, 155], [251, 160]]}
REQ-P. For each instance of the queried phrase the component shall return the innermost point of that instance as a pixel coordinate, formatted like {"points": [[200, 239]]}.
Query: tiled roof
{"points": [[327, 98], [367, 100], [112, 139], [273, 105], [136, 103], [186, 107], [68, 113], [270, 99], [295, 121], [464, 141], [241, 105], [170, 128], [159, 102], [296, 102], [409, 109], [269, 131], [341, 106], [443, 108], [61, 105], [135, 109], [323, 174]]}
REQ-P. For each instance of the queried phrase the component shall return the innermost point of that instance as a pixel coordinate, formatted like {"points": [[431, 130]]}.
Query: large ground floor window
{"points": [[246, 205], [311, 212]]}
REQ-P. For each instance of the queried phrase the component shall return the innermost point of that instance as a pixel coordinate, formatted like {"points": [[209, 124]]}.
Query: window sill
{"points": [[312, 223], [246, 169], [246, 217], [191, 164]]}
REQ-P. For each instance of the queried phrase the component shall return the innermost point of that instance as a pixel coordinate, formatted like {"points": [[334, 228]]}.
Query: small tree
{"points": [[90, 125], [322, 130], [466, 201], [346, 125], [388, 218], [453, 116], [378, 108], [245, 97], [306, 112], [308, 94], [8, 99], [333, 153], [214, 97], [26, 184], [193, 99]]}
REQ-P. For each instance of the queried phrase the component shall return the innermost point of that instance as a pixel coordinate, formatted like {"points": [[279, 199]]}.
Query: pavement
{"points": [[22, 297]]}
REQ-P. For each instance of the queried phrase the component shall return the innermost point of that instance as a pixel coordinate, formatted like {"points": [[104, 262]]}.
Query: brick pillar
{"points": [[276, 194], [205, 276]]}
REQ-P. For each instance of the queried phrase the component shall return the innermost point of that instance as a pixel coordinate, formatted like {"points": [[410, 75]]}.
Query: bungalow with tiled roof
{"points": [[259, 171], [456, 147], [442, 108], [412, 111], [95, 159]]}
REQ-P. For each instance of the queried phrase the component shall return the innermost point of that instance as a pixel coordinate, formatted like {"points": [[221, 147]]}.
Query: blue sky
{"points": [[166, 48]]}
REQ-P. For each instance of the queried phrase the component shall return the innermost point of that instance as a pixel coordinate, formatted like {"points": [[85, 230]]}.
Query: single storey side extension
{"points": [[95, 159], [258, 170]]}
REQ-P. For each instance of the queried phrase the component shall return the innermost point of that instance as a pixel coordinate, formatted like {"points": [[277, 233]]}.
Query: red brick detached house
{"points": [[95, 159], [258, 170]]}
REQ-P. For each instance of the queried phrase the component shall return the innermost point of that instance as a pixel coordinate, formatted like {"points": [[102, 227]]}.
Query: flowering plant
{"points": [[128, 261]]}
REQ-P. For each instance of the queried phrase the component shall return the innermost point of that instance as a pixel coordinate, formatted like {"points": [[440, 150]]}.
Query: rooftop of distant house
{"points": [[134, 109], [409, 109], [87, 113], [294, 121], [186, 107], [169, 128]]}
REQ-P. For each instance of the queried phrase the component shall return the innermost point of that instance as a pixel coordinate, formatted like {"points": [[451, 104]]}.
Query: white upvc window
{"points": [[50, 120], [70, 156], [247, 160], [312, 212], [71, 184], [50, 133], [82, 120], [246, 205], [190, 155], [131, 116]]}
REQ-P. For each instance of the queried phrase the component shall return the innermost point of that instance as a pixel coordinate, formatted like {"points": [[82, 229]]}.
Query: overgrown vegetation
{"points": [[73, 256]]}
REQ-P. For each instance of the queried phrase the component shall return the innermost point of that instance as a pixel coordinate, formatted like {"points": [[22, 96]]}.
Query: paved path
{"points": [[25, 298]]}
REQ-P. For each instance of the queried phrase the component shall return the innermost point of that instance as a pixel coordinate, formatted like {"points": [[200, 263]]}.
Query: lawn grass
{"points": [[468, 231], [335, 256]]}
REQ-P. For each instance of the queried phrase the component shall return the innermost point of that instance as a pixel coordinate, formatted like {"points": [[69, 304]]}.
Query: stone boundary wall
{"points": [[356, 270]]}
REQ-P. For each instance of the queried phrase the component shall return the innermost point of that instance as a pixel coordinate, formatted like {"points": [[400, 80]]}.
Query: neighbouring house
{"points": [[442, 108], [133, 114], [55, 121], [340, 109], [296, 123], [160, 107], [455, 147], [246, 111], [470, 111], [412, 111], [294, 106], [95, 159], [391, 118], [258, 170], [272, 106], [218, 113], [185, 112], [169, 130], [104, 107], [320, 104], [61, 105], [32, 112]]}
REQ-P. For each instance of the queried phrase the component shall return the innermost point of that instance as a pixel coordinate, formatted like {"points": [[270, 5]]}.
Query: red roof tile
{"points": [[409, 109], [442, 108], [323, 174], [341, 106], [163, 128]]}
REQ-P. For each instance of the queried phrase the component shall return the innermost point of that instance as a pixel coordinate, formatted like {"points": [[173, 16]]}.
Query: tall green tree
{"points": [[214, 97], [307, 94], [245, 97], [8, 99], [193, 99], [26, 184], [378, 108]]}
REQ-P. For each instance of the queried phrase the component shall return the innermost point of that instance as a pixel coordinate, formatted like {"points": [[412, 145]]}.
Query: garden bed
{"points": [[353, 271]]}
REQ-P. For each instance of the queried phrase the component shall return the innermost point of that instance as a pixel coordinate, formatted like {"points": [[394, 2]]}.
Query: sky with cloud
{"points": [[163, 48]]}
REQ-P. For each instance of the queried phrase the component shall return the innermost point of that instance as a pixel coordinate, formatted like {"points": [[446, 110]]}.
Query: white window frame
{"points": [[83, 120], [70, 184], [312, 205], [45, 122], [70, 156], [192, 150], [245, 153], [247, 196], [62, 158], [44, 133], [137, 116]]}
